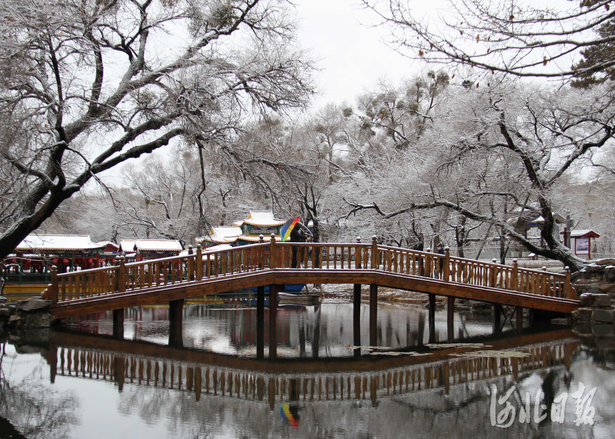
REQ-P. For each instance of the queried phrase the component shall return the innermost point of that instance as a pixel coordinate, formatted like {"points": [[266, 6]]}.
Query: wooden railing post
{"points": [[261, 252], [190, 267], [543, 283], [272, 253], [493, 273], [121, 274], [428, 258], [446, 269], [53, 286], [199, 262], [567, 284], [357, 253], [375, 255], [514, 279]]}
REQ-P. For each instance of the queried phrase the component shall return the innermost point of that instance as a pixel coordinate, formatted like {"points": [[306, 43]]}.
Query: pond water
{"points": [[81, 382]]}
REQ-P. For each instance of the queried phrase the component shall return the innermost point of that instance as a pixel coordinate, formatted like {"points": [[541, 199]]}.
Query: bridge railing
{"points": [[510, 277], [134, 276], [202, 265], [420, 263], [85, 283]]}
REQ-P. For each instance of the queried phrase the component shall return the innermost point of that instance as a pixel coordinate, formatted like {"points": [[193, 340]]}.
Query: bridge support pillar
{"points": [[421, 333], [373, 315], [432, 318], [302, 341], [450, 319], [176, 315], [519, 315], [356, 318], [316, 336], [497, 318], [176, 310], [118, 323], [260, 323], [273, 323]]}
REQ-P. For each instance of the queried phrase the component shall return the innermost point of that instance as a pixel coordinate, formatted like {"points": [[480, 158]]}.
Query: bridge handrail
{"points": [[510, 277], [473, 272], [203, 264], [143, 274]]}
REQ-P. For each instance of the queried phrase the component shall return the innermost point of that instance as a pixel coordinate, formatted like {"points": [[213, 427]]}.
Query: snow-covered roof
{"points": [[217, 248], [40, 242], [127, 245], [222, 234], [150, 245], [260, 218], [109, 246], [584, 233], [253, 238], [225, 233]]}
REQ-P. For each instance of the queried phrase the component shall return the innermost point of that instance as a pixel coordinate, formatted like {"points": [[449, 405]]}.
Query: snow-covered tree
{"points": [[517, 37], [500, 153], [87, 85]]}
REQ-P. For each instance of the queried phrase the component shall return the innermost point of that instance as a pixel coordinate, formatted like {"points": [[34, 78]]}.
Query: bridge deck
{"points": [[201, 273]]}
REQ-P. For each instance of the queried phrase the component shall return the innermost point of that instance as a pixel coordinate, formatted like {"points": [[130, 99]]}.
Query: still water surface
{"points": [[82, 383]]}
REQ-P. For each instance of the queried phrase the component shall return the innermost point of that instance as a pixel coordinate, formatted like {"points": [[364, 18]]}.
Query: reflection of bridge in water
{"points": [[360, 378]]}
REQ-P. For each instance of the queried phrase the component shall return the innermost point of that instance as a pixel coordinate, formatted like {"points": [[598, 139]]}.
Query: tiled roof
{"points": [[128, 245], [38, 242], [263, 218], [216, 248], [252, 238], [150, 245], [108, 243], [584, 233], [222, 235]]}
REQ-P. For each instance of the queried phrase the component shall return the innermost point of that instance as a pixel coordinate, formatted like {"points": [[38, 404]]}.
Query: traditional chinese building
{"points": [[142, 249], [220, 235], [259, 222], [67, 252], [33, 258]]}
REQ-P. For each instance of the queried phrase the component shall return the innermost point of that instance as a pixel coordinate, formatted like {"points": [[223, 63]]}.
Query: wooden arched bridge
{"points": [[271, 263], [277, 264]]}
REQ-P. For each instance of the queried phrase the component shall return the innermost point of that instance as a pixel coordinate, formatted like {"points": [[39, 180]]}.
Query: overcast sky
{"points": [[352, 55]]}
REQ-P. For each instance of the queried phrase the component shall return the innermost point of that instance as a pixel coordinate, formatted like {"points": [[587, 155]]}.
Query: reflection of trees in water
{"points": [[34, 409], [187, 418], [465, 411]]}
